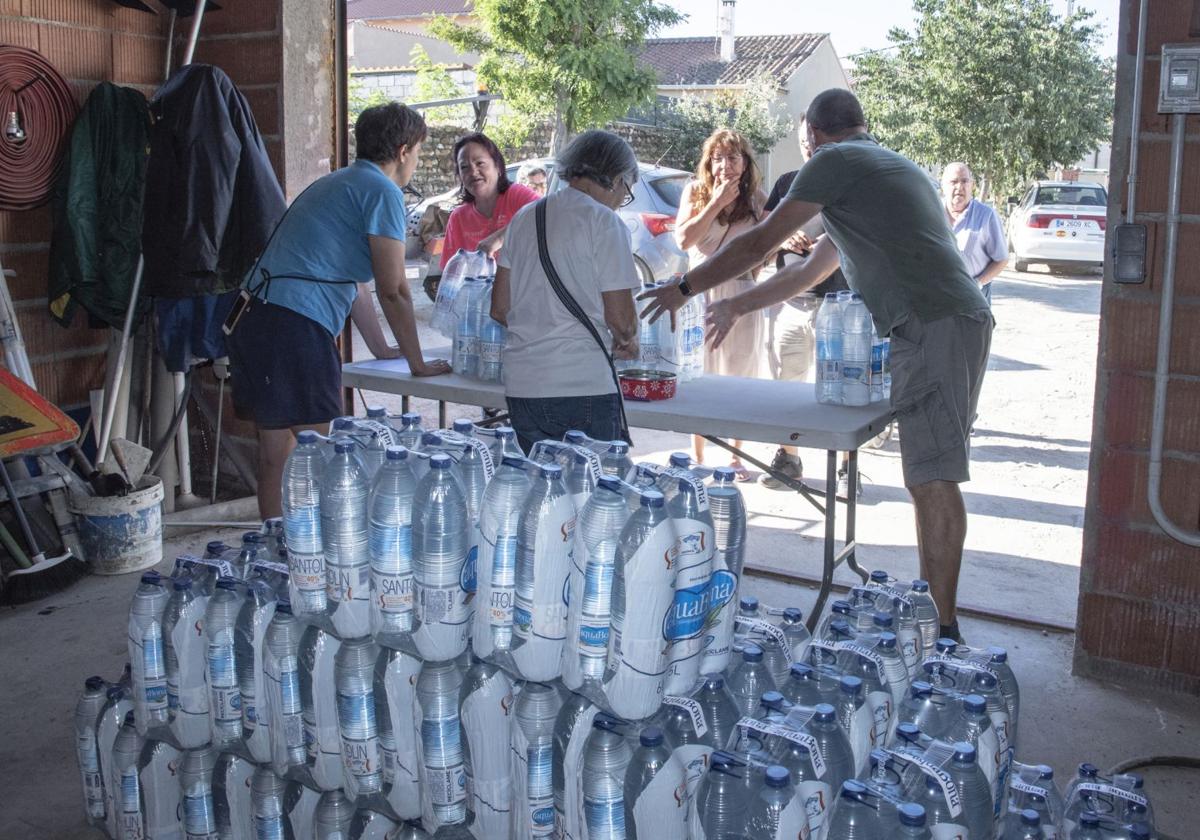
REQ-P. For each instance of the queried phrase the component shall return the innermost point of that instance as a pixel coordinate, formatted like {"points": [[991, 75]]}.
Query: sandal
{"points": [[740, 473]]}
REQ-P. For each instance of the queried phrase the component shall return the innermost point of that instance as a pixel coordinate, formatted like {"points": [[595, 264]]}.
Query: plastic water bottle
{"points": [[486, 712], [606, 758], [616, 461], [499, 517], [801, 688], [331, 820], [369, 824], [458, 268], [87, 711], [195, 782], [532, 741], [442, 772], [1011, 691], [473, 470], [856, 353], [834, 745], [721, 799], [854, 816], [597, 531], [649, 351], [973, 789], [344, 490], [546, 531], [146, 653], [126, 783], [491, 350], [579, 476], [117, 704], [410, 431], [687, 626], [232, 806], [225, 698], [465, 360], [318, 702], [728, 511], [637, 663], [973, 726], [505, 445], [768, 812], [396, 674], [829, 351], [719, 709], [926, 614], [302, 525], [258, 606], [440, 526], [571, 731], [389, 540], [373, 438], [795, 631], [354, 671], [283, 712], [750, 679], [184, 648], [655, 804], [878, 354]]}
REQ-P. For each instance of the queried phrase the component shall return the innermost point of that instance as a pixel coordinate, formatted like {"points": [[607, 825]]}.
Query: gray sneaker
{"points": [[789, 465]]}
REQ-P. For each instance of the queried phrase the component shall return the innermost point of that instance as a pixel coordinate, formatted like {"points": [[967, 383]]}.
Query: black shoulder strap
{"points": [[572, 306]]}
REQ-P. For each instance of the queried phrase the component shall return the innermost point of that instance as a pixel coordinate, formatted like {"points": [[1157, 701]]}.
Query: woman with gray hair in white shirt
{"points": [[569, 307]]}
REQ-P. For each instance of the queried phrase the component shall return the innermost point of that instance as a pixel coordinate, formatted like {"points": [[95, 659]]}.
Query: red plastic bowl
{"points": [[647, 385]]}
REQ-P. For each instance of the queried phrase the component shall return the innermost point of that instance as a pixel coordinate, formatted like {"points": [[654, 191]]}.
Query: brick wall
{"points": [[1139, 609], [88, 41]]}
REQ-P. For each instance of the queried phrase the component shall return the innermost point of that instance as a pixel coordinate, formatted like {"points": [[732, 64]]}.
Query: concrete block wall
{"points": [[1139, 608]]}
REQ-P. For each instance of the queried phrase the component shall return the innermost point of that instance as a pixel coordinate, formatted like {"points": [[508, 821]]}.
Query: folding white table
{"points": [[716, 407]]}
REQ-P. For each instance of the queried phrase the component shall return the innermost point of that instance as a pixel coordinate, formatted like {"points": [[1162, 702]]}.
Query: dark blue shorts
{"points": [[285, 367], [549, 418]]}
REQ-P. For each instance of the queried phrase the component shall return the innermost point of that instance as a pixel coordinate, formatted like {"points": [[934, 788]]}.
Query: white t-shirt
{"points": [[548, 353]]}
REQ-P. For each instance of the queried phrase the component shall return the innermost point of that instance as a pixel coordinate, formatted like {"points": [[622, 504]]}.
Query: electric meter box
{"points": [[1179, 88]]}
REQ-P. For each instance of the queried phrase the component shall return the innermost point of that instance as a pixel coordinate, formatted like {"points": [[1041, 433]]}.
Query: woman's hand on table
{"points": [[434, 367], [719, 320]]}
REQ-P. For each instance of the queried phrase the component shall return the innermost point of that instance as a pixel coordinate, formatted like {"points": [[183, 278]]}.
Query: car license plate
{"points": [[1074, 224]]}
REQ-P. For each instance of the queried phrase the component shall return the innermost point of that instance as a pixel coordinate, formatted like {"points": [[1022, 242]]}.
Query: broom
{"points": [[37, 575]]}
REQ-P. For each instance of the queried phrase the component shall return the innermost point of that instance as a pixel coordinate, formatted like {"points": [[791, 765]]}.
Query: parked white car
{"points": [[1060, 224]]}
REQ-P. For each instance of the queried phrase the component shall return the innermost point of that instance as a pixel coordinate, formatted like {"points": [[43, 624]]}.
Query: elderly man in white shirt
{"points": [[976, 226]]}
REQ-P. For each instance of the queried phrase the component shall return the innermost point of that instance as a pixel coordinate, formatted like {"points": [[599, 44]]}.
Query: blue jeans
{"points": [[987, 293], [549, 418]]}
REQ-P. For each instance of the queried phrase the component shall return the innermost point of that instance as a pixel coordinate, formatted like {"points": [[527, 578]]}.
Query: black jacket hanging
{"points": [[212, 198]]}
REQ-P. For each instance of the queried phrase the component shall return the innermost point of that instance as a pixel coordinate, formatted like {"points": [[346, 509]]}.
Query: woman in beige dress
{"points": [[720, 203]]}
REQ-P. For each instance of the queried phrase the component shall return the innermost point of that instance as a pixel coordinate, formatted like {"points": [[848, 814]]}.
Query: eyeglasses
{"points": [[628, 194]]}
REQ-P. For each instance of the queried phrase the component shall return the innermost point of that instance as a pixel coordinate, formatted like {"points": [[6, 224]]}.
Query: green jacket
{"points": [[97, 208]]}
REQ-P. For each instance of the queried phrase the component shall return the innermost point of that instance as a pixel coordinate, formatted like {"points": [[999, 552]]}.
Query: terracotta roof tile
{"points": [[697, 61]]}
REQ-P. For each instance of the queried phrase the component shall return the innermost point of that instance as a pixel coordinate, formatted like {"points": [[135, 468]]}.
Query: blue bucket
{"points": [[121, 534]]}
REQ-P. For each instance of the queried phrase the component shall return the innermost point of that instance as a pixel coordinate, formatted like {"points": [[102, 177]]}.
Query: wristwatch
{"points": [[685, 288]]}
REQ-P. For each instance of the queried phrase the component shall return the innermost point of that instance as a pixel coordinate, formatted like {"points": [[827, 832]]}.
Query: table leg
{"points": [[830, 535], [404, 402], [851, 514], [441, 414]]}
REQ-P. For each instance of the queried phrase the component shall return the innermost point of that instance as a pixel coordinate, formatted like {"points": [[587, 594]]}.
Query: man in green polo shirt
{"points": [[886, 226]]}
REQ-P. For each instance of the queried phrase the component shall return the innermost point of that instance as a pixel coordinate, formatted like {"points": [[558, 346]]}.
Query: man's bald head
{"points": [[958, 186]]}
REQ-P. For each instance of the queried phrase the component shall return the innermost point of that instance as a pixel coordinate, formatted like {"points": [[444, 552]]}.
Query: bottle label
{"points": [[867, 654], [661, 809], [447, 786], [694, 711], [949, 789], [489, 352], [766, 628], [604, 817], [347, 584], [390, 545], [198, 819], [393, 594], [1108, 791], [307, 571], [504, 568], [1024, 787], [356, 723], [302, 529], [222, 677], [444, 605], [788, 734]]}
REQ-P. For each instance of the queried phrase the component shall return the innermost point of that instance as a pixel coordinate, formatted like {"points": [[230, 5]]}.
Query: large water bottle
{"points": [[532, 740], [854, 814], [318, 702], [571, 730], [499, 519], [410, 431], [856, 353], [442, 773], [772, 813], [225, 697], [505, 445], [491, 350], [973, 726], [930, 712], [834, 745], [331, 820], [354, 671], [988, 687], [879, 358], [750, 679], [302, 525], [389, 540], [126, 783], [719, 709], [829, 351], [117, 704], [650, 356], [485, 707], [158, 769], [410, 831], [87, 712], [546, 532], [616, 461], [440, 527], [284, 711], [687, 626], [344, 489], [926, 614], [637, 662], [606, 758], [655, 804], [580, 475], [465, 359], [195, 782], [597, 531], [146, 653], [1011, 691], [473, 470], [184, 647], [251, 629], [973, 789], [396, 675], [368, 824], [728, 511], [721, 799], [232, 780], [458, 267]]}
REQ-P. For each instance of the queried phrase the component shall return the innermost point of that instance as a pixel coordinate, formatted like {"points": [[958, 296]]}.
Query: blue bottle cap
{"points": [[129, 720], [505, 432], [511, 461], [884, 620], [964, 752], [580, 457], [920, 689], [252, 537], [606, 722], [1088, 771], [430, 439], [618, 447], [831, 296], [395, 453], [1031, 818], [652, 498], [748, 603], [182, 584], [215, 547], [609, 482], [550, 471], [283, 606], [408, 418], [912, 814], [985, 680], [919, 585], [463, 426], [722, 761], [376, 411], [910, 733], [879, 576], [887, 640], [824, 713], [778, 776], [576, 437], [714, 682], [226, 583], [93, 683], [792, 615], [841, 607], [946, 645], [651, 736], [680, 459], [850, 685], [800, 671], [343, 445], [1045, 772], [725, 474], [975, 704], [152, 577], [841, 628], [771, 699], [999, 655], [440, 461], [115, 692], [341, 424], [854, 789], [306, 437], [752, 653], [1089, 819]]}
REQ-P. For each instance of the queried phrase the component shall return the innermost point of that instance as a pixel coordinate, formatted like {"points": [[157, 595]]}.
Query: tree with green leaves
{"points": [[747, 111], [1007, 86], [433, 82], [573, 61]]}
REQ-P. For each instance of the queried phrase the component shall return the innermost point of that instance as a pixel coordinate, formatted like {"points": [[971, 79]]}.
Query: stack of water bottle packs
{"points": [[444, 635], [461, 313], [853, 362]]}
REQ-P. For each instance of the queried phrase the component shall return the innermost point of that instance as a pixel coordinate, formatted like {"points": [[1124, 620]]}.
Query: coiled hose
{"points": [[36, 111]]}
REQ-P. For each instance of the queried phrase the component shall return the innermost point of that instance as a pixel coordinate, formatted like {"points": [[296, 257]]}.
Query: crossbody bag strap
{"points": [[573, 307]]}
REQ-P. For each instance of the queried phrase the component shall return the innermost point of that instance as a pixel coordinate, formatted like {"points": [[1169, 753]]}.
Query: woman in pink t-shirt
{"points": [[489, 199]]}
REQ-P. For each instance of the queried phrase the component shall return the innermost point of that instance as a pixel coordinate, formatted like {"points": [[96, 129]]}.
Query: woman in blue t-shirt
{"points": [[345, 230]]}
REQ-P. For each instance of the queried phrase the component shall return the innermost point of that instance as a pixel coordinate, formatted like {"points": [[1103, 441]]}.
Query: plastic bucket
{"points": [[121, 534]]}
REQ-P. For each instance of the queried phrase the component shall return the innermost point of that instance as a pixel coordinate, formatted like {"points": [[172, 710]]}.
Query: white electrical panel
{"points": [[1179, 87]]}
